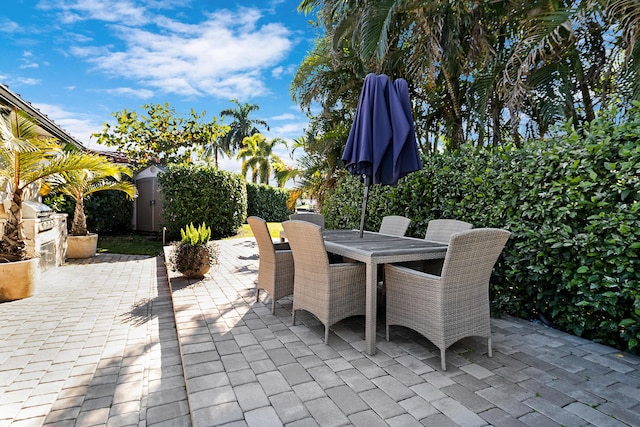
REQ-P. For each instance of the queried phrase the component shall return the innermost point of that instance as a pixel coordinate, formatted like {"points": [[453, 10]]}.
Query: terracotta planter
{"points": [[82, 246], [18, 279]]}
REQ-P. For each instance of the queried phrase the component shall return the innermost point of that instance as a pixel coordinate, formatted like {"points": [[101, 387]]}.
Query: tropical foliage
{"points": [[259, 158], [79, 184], [106, 212], [480, 73], [572, 204], [193, 235], [241, 125], [26, 158], [211, 136]]}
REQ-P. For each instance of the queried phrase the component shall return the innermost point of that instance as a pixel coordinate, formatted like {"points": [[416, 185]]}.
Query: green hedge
{"points": [[269, 203], [108, 212], [572, 205], [197, 194]]}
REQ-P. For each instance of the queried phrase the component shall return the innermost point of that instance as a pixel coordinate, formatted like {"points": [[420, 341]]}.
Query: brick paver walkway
{"points": [[99, 345], [96, 345]]}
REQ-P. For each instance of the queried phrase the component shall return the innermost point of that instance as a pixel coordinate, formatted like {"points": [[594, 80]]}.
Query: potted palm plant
{"points": [[195, 253], [26, 158], [78, 184]]}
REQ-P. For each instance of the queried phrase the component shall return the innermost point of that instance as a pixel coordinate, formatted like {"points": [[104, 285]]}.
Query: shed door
{"points": [[148, 205]]}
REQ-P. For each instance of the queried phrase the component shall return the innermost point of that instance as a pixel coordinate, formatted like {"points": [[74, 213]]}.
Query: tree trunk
{"points": [[79, 225], [12, 245], [497, 131]]}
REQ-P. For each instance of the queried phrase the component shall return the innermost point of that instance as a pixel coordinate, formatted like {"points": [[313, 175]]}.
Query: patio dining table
{"points": [[375, 249]]}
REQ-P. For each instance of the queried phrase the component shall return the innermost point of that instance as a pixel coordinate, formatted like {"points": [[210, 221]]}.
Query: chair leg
{"points": [[273, 306], [326, 334], [443, 363], [257, 294], [293, 317], [387, 332], [489, 347]]}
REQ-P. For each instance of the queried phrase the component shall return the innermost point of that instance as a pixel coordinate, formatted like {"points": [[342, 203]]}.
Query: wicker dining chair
{"points": [[395, 225], [314, 218], [331, 292], [439, 230], [454, 305], [275, 273]]}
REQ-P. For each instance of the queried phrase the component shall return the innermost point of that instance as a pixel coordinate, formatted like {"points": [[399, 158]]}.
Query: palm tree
{"points": [[479, 69], [26, 158], [214, 149], [323, 144], [241, 126], [208, 135], [627, 13], [78, 184], [284, 173], [258, 156]]}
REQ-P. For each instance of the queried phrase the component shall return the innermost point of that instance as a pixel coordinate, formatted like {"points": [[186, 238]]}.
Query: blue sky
{"points": [[80, 60]]}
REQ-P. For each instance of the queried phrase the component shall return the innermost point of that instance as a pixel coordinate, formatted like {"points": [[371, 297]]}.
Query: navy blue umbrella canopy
{"points": [[382, 143]]}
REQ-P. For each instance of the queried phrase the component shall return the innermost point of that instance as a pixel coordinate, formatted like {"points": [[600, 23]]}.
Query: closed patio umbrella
{"points": [[382, 142]]}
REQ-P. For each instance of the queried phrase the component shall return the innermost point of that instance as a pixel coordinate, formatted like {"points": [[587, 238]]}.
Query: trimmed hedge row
{"points": [[269, 203], [197, 194], [572, 205], [108, 212]]}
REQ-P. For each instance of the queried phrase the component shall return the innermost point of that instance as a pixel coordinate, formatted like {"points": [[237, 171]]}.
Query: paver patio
{"points": [[99, 344]]}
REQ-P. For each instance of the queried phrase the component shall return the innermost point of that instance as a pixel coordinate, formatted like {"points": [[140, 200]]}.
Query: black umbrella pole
{"points": [[367, 181]]}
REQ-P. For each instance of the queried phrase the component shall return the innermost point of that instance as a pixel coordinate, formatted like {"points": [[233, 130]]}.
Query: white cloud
{"points": [[27, 61], [28, 81], [222, 57], [286, 116], [8, 26], [71, 11], [277, 72], [78, 125], [135, 93], [231, 165], [79, 38], [289, 130], [281, 72]]}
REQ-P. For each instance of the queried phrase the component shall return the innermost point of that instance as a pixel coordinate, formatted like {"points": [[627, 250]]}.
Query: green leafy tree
{"points": [[159, 135], [259, 157]]}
